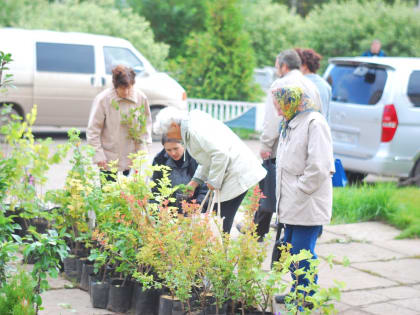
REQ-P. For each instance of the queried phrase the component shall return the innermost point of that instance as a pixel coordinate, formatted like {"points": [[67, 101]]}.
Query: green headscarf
{"points": [[292, 101]]}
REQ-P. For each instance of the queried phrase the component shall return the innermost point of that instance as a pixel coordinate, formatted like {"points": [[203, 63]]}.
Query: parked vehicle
{"points": [[375, 115], [62, 72]]}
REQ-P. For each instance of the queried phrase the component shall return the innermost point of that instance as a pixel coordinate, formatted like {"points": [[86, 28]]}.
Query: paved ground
{"points": [[383, 276]]}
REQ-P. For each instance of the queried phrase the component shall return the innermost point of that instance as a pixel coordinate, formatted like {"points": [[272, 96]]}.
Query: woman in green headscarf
{"points": [[304, 167]]}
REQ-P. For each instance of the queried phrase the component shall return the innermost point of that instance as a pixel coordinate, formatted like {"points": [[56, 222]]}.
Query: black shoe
{"points": [[280, 299], [239, 228]]}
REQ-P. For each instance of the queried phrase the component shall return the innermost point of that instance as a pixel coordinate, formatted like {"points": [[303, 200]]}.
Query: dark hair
{"points": [[123, 76], [310, 58], [290, 58], [165, 139]]}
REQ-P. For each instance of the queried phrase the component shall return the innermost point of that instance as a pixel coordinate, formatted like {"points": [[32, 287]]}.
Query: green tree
{"points": [[347, 29], [219, 63], [97, 17], [272, 28], [172, 20]]}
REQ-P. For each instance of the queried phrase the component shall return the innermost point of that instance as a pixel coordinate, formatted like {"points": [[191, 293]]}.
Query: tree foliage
{"points": [[219, 63], [97, 17], [172, 20]]}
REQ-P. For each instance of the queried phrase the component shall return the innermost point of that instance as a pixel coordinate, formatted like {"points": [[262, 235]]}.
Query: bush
{"points": [[219, 63], [89, 17], [17, 297], [347, 29], [272, 28]]}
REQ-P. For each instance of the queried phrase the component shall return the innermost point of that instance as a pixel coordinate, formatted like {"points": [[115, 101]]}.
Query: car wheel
{"points": [[154, 111], [355, 178], [416, 174]]}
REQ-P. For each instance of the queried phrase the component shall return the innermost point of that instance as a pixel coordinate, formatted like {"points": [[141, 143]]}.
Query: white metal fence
{"points": [[221, 110]]}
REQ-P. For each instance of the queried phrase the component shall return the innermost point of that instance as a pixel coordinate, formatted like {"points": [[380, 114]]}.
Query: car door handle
{"points": [[92, 81], [103, 81]]}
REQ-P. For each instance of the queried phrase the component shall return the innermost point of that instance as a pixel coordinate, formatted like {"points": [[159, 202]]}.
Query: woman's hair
{"points": [[165, 139], [123, 76], [166, 117], [310, 58]]}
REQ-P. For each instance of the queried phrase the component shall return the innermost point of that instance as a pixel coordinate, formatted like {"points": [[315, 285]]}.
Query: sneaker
{"points": [[239, 228], [280, 299]]}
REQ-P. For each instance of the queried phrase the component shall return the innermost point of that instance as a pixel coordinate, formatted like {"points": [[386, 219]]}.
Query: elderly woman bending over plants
{"points": [[304, 167], [225, 162]]}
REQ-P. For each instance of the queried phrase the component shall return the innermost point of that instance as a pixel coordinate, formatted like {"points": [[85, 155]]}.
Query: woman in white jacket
{"points": [[225, 162], [304, 167]]}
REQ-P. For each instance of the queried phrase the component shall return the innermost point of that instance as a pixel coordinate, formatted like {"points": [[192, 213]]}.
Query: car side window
{"points": [[413, 89], [120, 55], [70, 58], [363, 85]]}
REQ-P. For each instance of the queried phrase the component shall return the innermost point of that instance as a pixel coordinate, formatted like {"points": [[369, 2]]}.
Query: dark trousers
{"points": [[302, 237], [228, 210], [110, 176], [263, 220]]}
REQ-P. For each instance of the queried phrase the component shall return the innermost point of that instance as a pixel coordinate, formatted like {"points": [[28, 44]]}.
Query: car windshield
{"points": [[354, 84]]}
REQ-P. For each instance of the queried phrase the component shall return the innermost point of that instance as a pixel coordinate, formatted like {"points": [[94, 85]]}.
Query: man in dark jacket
{"points": [[183, 167]]}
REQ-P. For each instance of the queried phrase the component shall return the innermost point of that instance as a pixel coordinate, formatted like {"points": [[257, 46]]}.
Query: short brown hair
{"points": [[123, 76], [310, 58]]}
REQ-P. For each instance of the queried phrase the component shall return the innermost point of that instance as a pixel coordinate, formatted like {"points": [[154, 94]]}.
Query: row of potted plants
{"points": [[118, 237]]}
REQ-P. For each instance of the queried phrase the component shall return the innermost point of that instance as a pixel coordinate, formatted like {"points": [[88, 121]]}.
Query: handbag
{"points": [[215, 219], [339, 178]]}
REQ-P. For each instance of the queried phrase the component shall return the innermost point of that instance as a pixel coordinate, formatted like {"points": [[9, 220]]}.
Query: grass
{"points": [[245, 134], [384, 202]]}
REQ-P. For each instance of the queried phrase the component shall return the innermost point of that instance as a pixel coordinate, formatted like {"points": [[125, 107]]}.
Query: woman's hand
{"points": [[210, 186], [102, 165], [193, 185]]}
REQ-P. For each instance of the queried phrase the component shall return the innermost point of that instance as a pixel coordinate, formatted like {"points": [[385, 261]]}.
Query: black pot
{"points": [[144, 302], [41, 225], [99, 292], [119, 297], [166, 304], [87, 269], [79, 268], [70, 266]]}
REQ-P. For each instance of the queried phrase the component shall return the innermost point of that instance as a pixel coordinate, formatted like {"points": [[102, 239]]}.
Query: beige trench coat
{"points": [[304, 167], [108, 136], [224, 160], [270, 131]]}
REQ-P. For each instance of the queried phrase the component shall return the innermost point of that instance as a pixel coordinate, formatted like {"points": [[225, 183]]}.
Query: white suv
{"points": [[375, 115]]}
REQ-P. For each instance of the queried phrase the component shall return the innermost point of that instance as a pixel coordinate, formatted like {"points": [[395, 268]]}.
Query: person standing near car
{"points": [[375, 50], [288, 70], [304, 167], [310, 65], [120, 122]]}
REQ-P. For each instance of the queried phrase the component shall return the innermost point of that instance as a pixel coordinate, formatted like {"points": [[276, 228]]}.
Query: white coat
{"points": [[224, 160], [304, 167]]}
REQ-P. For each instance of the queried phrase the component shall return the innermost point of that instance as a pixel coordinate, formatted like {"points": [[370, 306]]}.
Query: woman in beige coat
{"points": [[120, 122], [304, 167], [225, 162]]}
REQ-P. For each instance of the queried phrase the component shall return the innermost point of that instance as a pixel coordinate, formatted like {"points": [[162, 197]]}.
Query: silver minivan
{"points": [[375, 115], [62, 72]]}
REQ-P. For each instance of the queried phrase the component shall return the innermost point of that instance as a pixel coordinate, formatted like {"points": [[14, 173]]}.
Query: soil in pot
{"points": [[99, 292], [87, 269], [119, 297], [144, 302]]}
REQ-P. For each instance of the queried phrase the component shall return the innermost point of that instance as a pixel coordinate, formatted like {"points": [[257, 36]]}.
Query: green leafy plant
{"points": [[48, 249], [17, 295], [135, 120]]}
